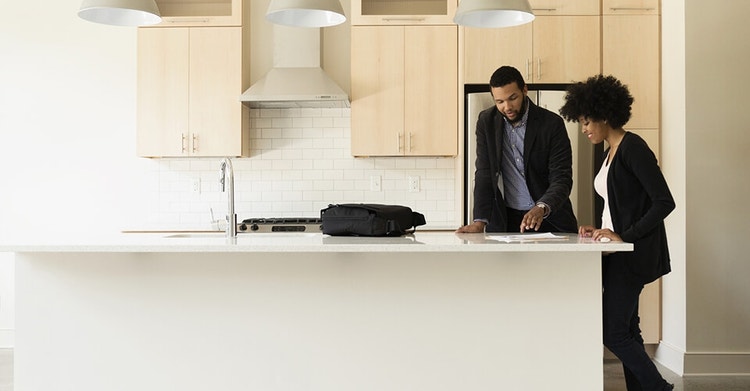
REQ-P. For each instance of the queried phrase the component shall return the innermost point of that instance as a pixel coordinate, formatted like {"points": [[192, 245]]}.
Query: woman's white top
{"points": [[600, 185]]}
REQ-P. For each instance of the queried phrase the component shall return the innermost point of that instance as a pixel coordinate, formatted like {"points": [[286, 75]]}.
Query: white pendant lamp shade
{"points": [[120, 12], [306, 13], [493, 13]]}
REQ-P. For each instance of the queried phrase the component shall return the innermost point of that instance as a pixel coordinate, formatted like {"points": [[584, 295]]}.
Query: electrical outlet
{"points": [[197, 185], [375, 184], [413, 184]]}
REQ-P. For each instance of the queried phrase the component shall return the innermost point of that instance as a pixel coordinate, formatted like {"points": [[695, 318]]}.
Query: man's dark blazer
{"points": [[548, 163], [639, 201]]}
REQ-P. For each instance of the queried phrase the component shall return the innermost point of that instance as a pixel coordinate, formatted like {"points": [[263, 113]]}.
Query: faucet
{"points": [[226, 180]]}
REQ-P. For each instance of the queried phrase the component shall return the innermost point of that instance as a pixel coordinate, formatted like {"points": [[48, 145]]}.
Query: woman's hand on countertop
{"points": [[601, 235]]}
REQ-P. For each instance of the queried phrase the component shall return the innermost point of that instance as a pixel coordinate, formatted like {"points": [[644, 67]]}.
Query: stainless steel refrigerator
{"points": [[551, 97]]}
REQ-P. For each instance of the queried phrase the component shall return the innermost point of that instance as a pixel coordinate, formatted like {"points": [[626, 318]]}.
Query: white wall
{"points": [[672, 346], [67, 112], [706, 143]]}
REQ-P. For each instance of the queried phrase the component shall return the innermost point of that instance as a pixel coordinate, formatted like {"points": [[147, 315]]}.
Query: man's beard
{"points": [[520, 112]]}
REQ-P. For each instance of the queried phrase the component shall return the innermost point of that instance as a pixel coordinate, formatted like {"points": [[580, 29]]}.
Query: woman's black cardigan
{"points": [[639, 201]]}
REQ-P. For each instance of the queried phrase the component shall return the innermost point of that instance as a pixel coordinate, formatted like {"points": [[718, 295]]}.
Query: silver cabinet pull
{"points": [[184, 146], [410, 141], [195, 143], [544, 9], [539, 69], [399, 137], [403, 19], [198, 20], [632, 8], [528, 69]]}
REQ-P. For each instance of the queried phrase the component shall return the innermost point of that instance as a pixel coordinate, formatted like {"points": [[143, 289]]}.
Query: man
{"points": [[524, 163]]}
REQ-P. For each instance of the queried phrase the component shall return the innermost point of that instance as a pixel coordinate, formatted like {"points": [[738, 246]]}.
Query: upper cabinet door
{"points": [[403, 12], [565, 7], [631, 53], [163, 90], [377, 112], [431, 91], [215, 85], [187, 13], [630, 7], [488, 49], [566, 48]]}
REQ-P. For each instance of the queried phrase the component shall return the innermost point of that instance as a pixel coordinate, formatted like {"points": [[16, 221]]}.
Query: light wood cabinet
{"points": [[634, 7], [404, 91], [485, 50], [551, 49], [403, 12], [200, 13], [565, 7], [566, 48], [630, 52], [189, 83], [649, 312]]}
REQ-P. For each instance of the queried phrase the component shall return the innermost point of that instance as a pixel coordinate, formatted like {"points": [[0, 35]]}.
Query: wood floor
{"points": [[613, 379]]}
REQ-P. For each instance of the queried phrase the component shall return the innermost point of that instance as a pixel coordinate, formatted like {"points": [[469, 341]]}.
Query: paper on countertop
{"points": [[525, 237]]}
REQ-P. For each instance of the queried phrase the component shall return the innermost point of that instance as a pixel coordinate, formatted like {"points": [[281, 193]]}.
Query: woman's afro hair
{"points": [[599, 98]]}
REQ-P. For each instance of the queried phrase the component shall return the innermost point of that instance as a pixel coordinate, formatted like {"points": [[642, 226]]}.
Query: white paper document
{"points": [[526, 237]]}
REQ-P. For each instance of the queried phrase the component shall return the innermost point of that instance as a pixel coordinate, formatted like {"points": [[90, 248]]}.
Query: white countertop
{"points": [[216, 242]]}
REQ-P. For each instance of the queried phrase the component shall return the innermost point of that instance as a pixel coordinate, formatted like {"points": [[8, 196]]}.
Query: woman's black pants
{"points": [[622, 334]]}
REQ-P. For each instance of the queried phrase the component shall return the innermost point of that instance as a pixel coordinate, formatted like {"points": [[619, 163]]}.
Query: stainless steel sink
{"points": [[198, 235]]}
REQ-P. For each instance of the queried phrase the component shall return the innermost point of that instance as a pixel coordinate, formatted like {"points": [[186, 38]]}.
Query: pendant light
{"points": [[306, 13], [493, 13], [120, 12]]}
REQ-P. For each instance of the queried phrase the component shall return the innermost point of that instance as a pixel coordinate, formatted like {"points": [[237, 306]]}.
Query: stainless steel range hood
{"points": [[296, 79]]}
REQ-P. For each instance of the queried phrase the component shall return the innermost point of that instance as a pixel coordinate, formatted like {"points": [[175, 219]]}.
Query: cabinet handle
{"points": [[544, 9], [632, 8], [528, 69], [403, 19], [184, 145], [199, 20], [195, 143], [410, 141], [399, 137], [539, 69]]}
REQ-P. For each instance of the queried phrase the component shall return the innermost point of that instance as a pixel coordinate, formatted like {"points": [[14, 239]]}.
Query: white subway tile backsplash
{"points": [[282, 122], [322, 122], [301, 123], [300, 162]]}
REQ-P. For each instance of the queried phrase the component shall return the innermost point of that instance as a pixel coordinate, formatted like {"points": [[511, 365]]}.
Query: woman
{"points": [[636, 201]]}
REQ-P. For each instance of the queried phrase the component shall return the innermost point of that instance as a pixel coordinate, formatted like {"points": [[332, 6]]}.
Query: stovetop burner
{"points": [[280, 224]]}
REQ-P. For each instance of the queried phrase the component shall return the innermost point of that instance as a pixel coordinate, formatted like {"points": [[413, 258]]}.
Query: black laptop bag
{"points": [[369, 220]]}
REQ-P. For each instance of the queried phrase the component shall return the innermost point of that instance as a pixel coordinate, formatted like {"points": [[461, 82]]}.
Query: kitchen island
{"points": [[430, 311]]}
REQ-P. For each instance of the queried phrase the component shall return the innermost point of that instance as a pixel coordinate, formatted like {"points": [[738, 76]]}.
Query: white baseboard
{"points": [[703, 363], [671, 357], [7, 339]]}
